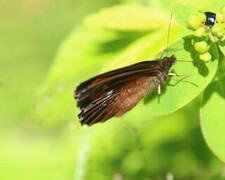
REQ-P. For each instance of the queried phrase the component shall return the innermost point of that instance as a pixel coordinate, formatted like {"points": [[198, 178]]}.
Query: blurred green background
{"points": [[33, 147]]}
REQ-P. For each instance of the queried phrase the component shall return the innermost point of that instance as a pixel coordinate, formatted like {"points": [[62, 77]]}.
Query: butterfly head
{"points": [[167, 62]]}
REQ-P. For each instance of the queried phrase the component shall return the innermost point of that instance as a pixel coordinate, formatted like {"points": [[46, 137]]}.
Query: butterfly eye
{"points": [[168, 62]]}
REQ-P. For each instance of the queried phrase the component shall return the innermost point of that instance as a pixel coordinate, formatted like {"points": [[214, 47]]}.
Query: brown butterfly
{"points": [[116, 92]]}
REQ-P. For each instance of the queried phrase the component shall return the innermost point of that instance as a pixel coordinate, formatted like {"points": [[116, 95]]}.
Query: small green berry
{"points": [[200, 32], [218, 30], [206, 57], [194, 22], [201, 47], [220, 17], [202, 17]]}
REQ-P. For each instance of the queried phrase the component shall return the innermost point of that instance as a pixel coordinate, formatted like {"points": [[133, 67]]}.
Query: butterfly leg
{"points": [[159, 92], [159, 89], [174, 74]]}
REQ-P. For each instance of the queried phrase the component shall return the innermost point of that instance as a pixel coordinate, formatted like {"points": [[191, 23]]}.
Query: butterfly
{"points": [[116, 92]]}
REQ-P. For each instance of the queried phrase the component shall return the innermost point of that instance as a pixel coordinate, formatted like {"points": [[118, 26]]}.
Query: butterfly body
{"points": [[116, 92]]}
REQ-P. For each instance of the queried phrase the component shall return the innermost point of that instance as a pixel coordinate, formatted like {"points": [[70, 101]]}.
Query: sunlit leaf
{"points": [[133, 17], [182, 11], [212, 117]]}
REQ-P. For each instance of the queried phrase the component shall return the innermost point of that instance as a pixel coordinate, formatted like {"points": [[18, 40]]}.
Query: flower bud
{"points": [[206, 57], [220, 17], [202, 17], [201, 47], [218, 30], [194, 22], [200, 32]]}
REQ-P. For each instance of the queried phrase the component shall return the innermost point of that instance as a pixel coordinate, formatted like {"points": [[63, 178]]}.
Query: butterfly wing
{"points": [[95, 87], [100, 97]]}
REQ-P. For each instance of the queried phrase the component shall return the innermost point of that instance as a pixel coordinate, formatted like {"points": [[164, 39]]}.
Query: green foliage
{"points": [[30, 33], [117, 37], [195, 20], [212, 117], [48, 144], [212, 120]]}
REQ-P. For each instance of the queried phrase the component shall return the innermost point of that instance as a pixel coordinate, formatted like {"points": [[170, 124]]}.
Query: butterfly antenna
{"points": [[168, 34]]}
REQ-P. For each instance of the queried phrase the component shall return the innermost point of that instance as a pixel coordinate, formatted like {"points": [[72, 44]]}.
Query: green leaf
{"points": [[131, 17], [212, 117], [182, 11], [181, 90]]}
